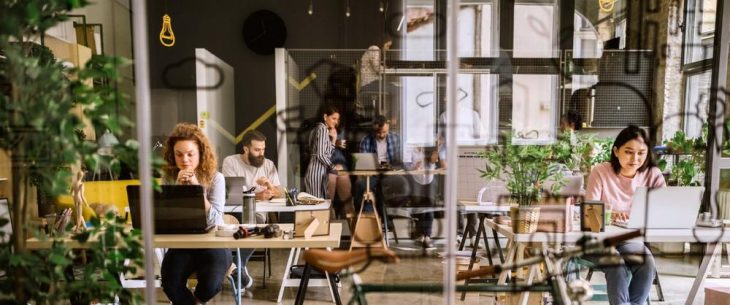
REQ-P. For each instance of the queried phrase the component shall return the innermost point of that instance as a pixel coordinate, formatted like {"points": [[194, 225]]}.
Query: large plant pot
{"points": [[524, 219]]}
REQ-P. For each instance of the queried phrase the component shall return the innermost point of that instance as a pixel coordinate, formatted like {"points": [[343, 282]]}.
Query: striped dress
{"points": [[315, 180]]}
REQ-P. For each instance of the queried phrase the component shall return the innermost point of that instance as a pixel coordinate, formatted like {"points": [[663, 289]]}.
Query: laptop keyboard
{"points": [[621, 223]]}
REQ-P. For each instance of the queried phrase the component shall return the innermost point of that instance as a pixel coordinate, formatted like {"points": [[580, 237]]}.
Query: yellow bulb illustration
{"points": [[167, 37]]}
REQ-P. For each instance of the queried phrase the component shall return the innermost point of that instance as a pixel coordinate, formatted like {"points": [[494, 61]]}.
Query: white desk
{"points": [[711, 237], [210, 241], [264, 206]]}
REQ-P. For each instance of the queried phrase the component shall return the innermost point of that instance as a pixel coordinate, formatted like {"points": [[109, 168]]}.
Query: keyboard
{"points": [[621, 223]]}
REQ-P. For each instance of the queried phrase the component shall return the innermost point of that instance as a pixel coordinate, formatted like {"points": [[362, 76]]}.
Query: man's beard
{"points": [[256, 161]]}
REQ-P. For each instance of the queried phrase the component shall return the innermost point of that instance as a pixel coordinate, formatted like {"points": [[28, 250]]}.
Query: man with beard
{"points": [[259, 172], [251, 164]]}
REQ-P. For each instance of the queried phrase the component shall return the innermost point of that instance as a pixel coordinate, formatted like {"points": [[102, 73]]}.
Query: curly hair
{"points": [[208, 163]]}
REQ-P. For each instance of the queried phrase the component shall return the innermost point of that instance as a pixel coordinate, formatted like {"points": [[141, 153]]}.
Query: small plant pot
{"points": [[524, 219]]}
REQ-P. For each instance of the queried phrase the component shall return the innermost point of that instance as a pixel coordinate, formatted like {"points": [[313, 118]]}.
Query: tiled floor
{"points": [[677, 274]]}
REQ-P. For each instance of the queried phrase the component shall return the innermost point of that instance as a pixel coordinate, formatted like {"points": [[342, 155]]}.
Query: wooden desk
{"points": [[711, 237], [265, 206], [210, 241], [368, 195]]}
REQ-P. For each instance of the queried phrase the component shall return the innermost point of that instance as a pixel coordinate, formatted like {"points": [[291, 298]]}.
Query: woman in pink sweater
{"points": [[632, 165]]}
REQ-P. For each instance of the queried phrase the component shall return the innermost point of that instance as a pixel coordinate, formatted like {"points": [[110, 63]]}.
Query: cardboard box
{"points": [[717, 295]]}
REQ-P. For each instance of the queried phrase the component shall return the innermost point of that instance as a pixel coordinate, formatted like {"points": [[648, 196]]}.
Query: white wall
{"points": [[215, 104]]}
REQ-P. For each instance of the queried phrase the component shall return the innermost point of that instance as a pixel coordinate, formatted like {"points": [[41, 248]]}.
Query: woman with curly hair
{"points": [[191, 160]]}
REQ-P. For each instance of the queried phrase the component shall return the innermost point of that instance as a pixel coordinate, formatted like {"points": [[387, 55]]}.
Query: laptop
{"points": [[365, 161], [673, 207], [179, 209], [234, 190]]}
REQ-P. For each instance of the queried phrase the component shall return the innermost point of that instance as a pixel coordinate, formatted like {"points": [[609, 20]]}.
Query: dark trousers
{"points": [[210, 266], [424, 223]]}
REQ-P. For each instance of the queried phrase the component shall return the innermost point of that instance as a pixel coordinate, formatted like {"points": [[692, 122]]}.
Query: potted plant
{"points": [[688, 159], [43, 135], [524, 168]]}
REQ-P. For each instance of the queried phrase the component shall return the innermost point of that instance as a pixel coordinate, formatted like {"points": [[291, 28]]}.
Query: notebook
{"points": [[673, 207], [234, 190], [178, 209]]}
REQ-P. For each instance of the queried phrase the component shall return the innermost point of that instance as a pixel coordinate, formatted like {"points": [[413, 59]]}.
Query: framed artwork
{"points": [[592, 216]]}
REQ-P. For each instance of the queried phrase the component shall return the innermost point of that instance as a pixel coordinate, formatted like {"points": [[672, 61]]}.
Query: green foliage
{"points": [[690, 160], [524, 168], [603, 149], [38, 97], [574, 150], [109, 243]]}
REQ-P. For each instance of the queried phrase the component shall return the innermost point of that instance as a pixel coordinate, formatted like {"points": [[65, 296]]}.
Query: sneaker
{"points": [[426, 242], [246, 279]]}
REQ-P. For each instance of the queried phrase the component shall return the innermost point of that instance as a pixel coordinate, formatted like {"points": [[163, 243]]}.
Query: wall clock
{"points": [[263, 31]]}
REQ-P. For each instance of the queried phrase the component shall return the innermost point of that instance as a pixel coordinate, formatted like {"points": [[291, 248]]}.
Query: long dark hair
{"points": [[627, 134]]}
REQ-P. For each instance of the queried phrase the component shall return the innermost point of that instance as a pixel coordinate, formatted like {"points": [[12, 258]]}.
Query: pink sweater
{"points": [[617, 191]]}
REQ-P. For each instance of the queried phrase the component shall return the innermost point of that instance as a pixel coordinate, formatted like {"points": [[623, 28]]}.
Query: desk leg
{"points": [[512, 246], [711, 251], [303, 283], [333, 285], [287, 270], [499, 247], [238, 275], [466, 235], [486, 239], [530, 278]]}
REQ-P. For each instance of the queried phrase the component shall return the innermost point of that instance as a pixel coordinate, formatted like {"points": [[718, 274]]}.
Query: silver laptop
{"points": [[673, 207], [365, 161], [234, 190]]}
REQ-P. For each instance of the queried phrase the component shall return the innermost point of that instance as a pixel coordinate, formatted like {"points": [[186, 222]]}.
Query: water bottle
{"points": [[248, 213]]}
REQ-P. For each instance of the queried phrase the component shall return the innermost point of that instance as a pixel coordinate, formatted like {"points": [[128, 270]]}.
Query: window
{"points": [[699, 30], [696, 96], [535, 34]]}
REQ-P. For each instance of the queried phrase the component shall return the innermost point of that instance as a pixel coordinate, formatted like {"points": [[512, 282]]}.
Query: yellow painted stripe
{"points": [[256, 123], [304, 83]]}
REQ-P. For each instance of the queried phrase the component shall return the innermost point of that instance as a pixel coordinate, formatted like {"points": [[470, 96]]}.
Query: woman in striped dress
{"points": [[321, 144]]}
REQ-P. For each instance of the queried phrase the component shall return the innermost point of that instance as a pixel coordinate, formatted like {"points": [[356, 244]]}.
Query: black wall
{"points": [[216, 25]]}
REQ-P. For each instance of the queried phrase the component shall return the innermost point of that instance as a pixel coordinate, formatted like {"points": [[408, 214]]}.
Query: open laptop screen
{"points": [[179, 209]]}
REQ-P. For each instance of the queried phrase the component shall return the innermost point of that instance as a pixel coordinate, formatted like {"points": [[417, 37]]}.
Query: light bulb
{"points": [[347, 11], [310, 10], [167, 37], [382, 7]]}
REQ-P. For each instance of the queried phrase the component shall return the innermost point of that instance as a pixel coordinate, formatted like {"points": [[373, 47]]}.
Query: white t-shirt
{"points": [[233, 166], [414, 155], [382, 147]]}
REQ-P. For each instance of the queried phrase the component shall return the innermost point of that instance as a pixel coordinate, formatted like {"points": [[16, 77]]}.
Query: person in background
{"points": [[614, 183], [191, 160], [255, 168], [322, 144], [386, 145], [426, 159], [571, 120], [252, 165], [340, 186]]}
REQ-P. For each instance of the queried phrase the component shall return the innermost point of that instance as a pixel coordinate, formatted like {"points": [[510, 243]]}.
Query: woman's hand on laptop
{"points": [[620, 216]]}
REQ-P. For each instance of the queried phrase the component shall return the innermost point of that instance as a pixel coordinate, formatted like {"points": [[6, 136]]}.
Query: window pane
{"points": [[535, 31], [419, 115], [476, 119], [700, 30], [695, 107], [419, 38], [533, 108]]}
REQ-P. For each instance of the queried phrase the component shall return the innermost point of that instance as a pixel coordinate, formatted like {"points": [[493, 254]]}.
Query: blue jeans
{"points": [[629, 283], [210, 265]]}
